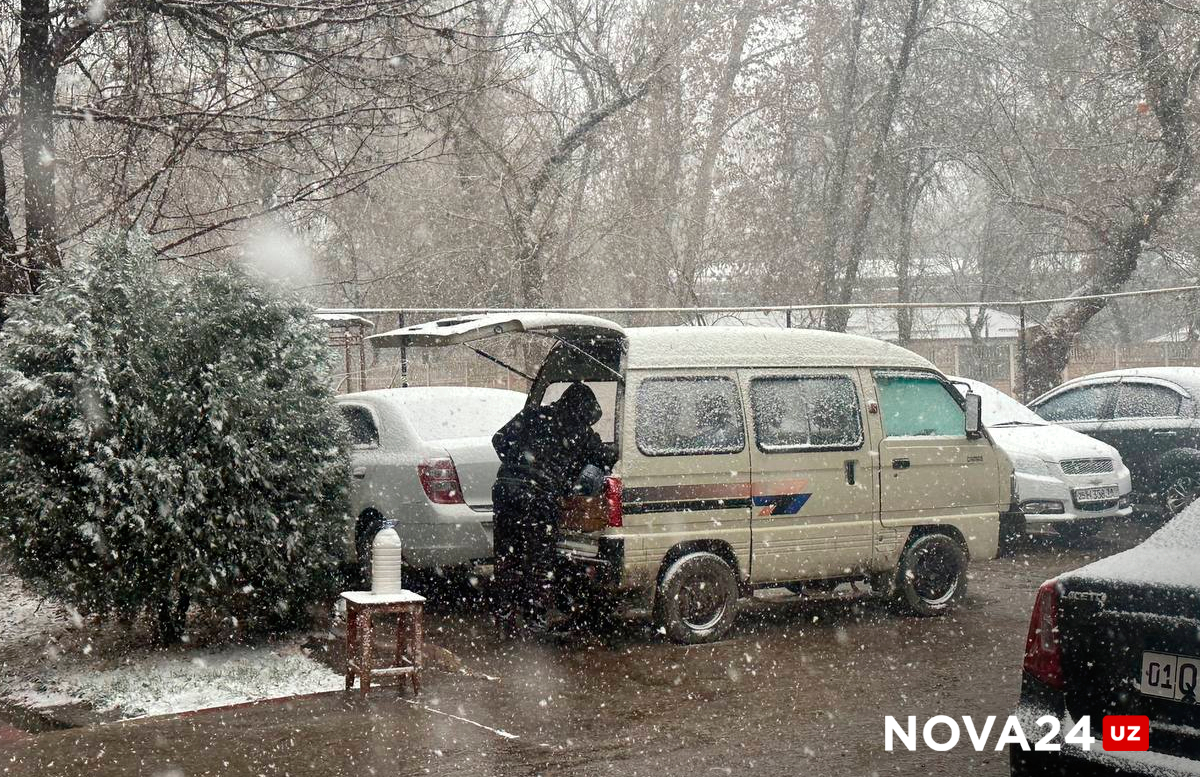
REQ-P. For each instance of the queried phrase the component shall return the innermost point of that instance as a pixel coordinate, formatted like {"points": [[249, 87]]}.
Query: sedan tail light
{"points": [[1043, 648], [439, 478], [612, 501]]}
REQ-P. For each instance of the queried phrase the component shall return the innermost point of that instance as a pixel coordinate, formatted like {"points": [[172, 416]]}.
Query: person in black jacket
{"points": [[542, 452]]}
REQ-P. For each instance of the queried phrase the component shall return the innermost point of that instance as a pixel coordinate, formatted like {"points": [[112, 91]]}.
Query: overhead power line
{"points": [[769, 308]]}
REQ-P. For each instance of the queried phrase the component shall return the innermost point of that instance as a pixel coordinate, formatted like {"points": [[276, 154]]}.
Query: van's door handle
{"points": [[901, 463], [359, 473], [850, 471], [1164, 432]]}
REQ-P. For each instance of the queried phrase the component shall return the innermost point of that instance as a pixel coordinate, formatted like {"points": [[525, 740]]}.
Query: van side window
{"points": [[689, 416], [914, 405], [363, 433], [806, 412]]}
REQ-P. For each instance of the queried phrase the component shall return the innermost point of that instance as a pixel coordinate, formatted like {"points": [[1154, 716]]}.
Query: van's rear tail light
{"points": [[1043, 648], [612, 501], [439, 478]]}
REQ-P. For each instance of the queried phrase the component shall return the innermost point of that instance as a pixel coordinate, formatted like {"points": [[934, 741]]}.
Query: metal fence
{"points": [[996, 362]]}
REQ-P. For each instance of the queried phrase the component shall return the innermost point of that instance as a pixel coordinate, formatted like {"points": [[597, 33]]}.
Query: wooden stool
{"points": [[361, 606]]}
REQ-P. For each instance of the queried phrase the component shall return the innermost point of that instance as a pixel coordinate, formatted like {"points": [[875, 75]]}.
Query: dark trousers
{"points": [[524, 536]]}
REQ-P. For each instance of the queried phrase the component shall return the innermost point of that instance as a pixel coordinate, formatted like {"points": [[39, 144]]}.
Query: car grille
{"points": [[1086, 466]]}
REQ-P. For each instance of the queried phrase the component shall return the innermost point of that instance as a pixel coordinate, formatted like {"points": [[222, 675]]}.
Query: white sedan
{"points": [[1064, 479], [422, 458]]}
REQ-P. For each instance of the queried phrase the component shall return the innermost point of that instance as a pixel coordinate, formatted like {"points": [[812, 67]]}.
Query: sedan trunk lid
{"points": [[476, 463]]}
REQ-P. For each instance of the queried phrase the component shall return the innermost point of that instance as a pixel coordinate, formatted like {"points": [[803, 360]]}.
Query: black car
{"points": [[1151, 416], [1120, 636]]}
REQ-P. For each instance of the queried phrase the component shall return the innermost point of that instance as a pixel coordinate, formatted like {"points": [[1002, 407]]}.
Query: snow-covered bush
{"points": [[166, 442]]}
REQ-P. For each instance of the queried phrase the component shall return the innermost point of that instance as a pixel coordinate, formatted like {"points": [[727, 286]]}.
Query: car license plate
{"points": [[1169, 676], [1097, 494]]}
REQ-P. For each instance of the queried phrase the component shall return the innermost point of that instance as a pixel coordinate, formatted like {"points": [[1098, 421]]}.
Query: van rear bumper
{"points": [[598, 561]]}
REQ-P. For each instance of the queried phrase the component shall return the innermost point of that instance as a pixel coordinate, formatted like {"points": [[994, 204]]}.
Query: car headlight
{"points": [[1042, 507], [1032, 465]]}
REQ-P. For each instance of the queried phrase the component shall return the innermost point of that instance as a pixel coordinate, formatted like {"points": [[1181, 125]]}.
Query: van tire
{"points": [[697, 599], [932, 576]]}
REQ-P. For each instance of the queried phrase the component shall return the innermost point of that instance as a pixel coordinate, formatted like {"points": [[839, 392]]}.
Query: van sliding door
{"points": [[814, 497], [686, 469]]}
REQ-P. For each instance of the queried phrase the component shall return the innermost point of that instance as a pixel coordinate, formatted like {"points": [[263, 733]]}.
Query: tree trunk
{"points": [[718, 125], [904, 316], [170, 619], [1167, 91], [39, 76], [837, 319], [530, 240], [12, 275], [910, 198], [836, 198]]}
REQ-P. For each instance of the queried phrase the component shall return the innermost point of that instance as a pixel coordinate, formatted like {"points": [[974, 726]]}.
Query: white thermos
{"points": [[385, 562]]}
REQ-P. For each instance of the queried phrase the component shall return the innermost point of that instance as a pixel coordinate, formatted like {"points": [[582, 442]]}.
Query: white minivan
{"points": [[751, 458]]}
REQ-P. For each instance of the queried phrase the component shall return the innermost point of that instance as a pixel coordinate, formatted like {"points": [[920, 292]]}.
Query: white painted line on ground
{"points": [[497, 731]]}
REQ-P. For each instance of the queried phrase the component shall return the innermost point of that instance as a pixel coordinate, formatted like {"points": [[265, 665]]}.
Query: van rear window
{"points": [[689, 416], [801, 413]]}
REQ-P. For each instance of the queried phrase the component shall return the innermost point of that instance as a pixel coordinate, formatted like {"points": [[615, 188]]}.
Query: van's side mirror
{"points": [[973, 410]]}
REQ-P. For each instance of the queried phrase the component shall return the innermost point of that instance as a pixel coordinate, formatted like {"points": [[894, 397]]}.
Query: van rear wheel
{"points": [[932, 577], [697, 598]]}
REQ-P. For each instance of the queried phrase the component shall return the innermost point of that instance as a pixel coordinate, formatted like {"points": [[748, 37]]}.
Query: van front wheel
{"points": [[697, 598], [933, 574]]}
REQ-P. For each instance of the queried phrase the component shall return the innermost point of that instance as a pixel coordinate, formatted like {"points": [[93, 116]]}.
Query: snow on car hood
{"points": [[1050, 443]]}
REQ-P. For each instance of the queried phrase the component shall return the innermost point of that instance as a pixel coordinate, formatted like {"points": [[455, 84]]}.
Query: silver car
{"points": [[422, 457], [1064, 480]]}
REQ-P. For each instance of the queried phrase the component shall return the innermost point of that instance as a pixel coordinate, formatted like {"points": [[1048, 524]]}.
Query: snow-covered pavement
{"points": [[51, 658]]}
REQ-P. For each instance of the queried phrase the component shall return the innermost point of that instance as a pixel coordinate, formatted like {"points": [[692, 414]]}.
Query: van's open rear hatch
{"points": [[468, 329]]}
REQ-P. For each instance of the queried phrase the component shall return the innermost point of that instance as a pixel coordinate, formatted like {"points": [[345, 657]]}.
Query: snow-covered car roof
{"points": [[671, 346], [441, 412], [400, 395], [741, 346], [1187, 377]]}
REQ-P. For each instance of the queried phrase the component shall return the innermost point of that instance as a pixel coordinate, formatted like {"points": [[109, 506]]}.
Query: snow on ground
{"points": [[49, 657], [156, 685]]}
